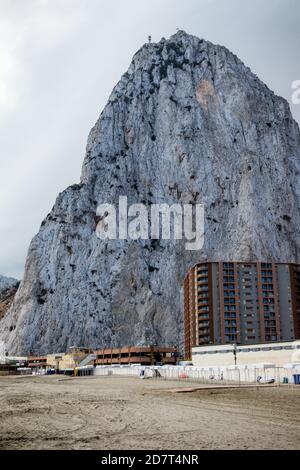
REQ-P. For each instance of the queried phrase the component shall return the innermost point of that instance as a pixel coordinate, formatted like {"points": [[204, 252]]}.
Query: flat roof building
{"points": [[150, 355], [240, 302], [280, 354], [37, 362]]}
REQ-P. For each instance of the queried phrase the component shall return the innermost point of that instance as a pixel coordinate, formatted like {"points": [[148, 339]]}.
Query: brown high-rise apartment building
{"points": [[241, 303]]}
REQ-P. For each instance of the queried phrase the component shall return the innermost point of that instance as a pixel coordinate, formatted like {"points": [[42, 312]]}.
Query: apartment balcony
{"points": [[202, 276], [204, 340], [203, 324], [202, 299], [203, 332], [203, 317]]}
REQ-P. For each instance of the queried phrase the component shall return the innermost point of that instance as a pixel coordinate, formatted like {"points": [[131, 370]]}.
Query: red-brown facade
{"points": [[235, 302]]}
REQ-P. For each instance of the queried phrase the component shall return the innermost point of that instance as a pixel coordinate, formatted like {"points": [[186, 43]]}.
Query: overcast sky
{"points": [[59, 60]]}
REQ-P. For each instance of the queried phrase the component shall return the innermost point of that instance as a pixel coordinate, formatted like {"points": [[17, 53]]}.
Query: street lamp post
{"points": [[235, 353], [235, 348]]}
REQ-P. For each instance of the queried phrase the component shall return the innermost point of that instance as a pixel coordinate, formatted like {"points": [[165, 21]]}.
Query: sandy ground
{"points": [[129, 413]]}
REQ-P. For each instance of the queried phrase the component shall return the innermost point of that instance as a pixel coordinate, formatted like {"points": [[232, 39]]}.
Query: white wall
{"points": [[217, 356]]}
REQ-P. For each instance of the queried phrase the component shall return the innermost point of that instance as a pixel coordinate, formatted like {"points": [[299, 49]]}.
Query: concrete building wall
{"points": [[279, 354], [53, 360], [285, 302], [68, 362]]}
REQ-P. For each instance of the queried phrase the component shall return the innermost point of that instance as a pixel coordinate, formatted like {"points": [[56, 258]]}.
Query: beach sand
{"points": [[129, 413]]}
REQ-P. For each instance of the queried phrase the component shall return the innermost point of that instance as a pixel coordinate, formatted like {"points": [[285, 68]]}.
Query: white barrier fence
{"points": [[222, 375]]}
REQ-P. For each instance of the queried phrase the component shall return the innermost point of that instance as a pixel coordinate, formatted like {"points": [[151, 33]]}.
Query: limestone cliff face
{"points": [[188, 122], [8, 289]]}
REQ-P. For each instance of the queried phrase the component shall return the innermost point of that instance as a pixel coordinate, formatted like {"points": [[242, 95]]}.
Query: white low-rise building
{"points": [[279, 354]]}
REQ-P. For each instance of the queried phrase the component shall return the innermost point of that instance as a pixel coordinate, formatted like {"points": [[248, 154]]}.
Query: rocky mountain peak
{"points": [[7, 283], [187, 123], [8, 289]]}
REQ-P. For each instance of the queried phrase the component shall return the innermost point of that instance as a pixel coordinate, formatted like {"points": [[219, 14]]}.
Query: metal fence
{"points": [[235, 376]]}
